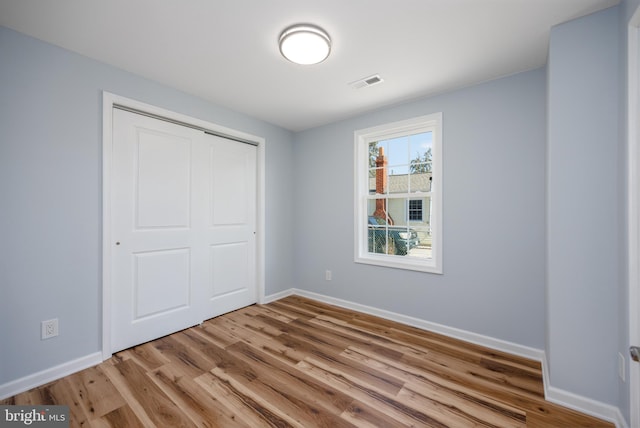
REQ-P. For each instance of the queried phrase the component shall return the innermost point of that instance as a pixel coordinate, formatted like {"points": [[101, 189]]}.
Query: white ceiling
{"points": [[225, 51]]}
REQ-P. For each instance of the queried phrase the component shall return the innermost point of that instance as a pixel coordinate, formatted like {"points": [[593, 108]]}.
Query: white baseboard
{"points": [[579, 403], [557, 396], [37, 379], [585, 405], [277, 296]]}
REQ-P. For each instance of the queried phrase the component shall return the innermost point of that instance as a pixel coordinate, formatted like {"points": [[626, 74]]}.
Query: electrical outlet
{"points": [[327, 275], [621, 371], [49, 328]]}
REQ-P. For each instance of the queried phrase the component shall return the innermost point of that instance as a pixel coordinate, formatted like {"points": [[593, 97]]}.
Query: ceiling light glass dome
{"points": [[305, 44]]}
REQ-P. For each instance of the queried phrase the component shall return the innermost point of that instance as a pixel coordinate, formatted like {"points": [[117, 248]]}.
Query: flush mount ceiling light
{"points": [[305, 44]]}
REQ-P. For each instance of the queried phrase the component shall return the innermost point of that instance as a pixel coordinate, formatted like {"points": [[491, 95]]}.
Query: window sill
{"points": [[405, 263]]}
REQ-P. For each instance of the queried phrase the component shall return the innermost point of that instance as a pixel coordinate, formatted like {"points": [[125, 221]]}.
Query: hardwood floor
{"points": [[299, 363]]}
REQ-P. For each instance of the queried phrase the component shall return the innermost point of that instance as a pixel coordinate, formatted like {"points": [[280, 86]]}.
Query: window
{"points": [[398, 194], [415, 210]]}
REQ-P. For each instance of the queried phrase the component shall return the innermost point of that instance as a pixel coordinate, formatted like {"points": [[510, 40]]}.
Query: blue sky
{"points": [[400, 151]]}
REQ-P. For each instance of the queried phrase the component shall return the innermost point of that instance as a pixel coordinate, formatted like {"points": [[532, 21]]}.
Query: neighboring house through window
{"points": [[398, 194]]}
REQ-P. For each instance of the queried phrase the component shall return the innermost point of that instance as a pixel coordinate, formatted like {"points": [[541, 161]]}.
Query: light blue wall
{"points": [[494, 210], [584, 206], [627, 8], [51, 191]]}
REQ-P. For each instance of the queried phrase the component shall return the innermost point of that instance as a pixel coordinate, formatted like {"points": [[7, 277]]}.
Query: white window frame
{"points": [[428, 123]]}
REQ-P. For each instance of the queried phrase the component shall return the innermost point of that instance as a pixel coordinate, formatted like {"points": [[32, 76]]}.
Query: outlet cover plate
{"points": [[621, 367], [49, 328]]}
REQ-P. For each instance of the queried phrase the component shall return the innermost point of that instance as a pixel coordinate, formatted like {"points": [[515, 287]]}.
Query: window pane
{"points": [[374, 151], [378, 167], [398, 155], [371, 207], [421, 161], [420, 147], [378, 238], [398, 183], [377, 212], [388, 231], [379, 242], [423, 249], [420, 181], [378, 181], [420, 143]]}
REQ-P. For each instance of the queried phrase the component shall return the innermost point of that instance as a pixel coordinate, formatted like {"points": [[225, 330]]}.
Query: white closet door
{"points": [[231, 225], [167, 269]]}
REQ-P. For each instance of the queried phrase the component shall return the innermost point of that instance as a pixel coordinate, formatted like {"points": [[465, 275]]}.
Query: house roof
{"points": [[404, 183]]}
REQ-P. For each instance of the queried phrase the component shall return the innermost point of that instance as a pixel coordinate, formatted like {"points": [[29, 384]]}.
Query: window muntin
{"points": [[398, 193]]}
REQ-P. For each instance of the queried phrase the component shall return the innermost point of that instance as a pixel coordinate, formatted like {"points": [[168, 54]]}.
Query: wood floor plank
{"points": [[259, 337], [289, 307], [95, 393], [117, 418], [241, 364], [301, 363], [239, 399], [458, 413], [518, 378], [150, 405], [251, 320], [202, 408], [61, 393], [445, 393], [364, 416], [214, 334], [390, 406], [145, 355], [21, 399], [281, 379], [321, 346], [268, 312], [193, 364]]}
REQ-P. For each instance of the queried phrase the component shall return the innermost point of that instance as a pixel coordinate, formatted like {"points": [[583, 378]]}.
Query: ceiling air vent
{"points": [[367, 81]]}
